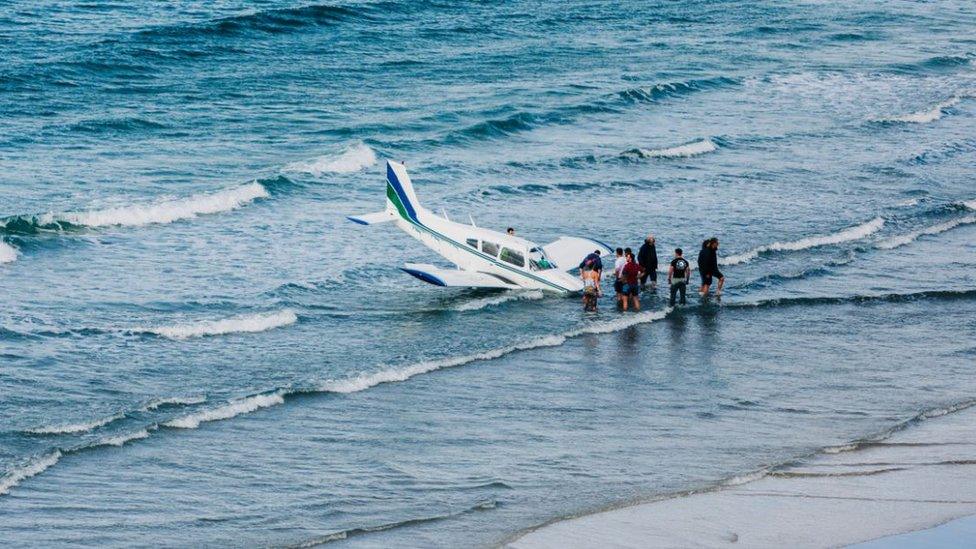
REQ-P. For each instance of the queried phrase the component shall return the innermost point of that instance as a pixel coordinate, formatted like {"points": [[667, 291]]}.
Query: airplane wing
{"points": [[373, 218], [568, 251], [455, 278]]}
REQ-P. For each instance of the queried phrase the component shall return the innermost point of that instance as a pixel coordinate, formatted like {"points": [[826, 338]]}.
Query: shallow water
{"points": [[197, 347]]}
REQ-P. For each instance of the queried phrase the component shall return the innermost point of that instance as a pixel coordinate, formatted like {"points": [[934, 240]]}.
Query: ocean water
{"points": [[196, 348]]}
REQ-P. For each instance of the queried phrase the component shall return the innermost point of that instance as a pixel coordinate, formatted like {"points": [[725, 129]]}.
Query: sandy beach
{"points": [[914, 479]]}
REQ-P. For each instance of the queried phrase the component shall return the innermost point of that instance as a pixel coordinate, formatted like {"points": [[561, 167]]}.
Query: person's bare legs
{"points": [[721, 282], [636, 300], [623, 302]]}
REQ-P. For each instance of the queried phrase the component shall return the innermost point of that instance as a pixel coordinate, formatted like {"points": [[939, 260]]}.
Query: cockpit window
{"points": [[511, 256], [489, 248], [473, 242], [538, 260]]}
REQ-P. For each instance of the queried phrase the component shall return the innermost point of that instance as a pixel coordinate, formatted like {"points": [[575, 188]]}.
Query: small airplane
{"points": [[483, 258]]}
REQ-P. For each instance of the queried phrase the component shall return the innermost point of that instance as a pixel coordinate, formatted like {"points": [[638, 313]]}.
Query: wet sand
{"points": [[915, 478]]}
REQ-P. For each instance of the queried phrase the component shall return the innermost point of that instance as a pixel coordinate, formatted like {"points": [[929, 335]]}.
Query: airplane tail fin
{"points": [[401, 200], [400, 197]]}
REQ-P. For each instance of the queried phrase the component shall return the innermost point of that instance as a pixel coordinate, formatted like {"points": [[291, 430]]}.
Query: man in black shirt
{"points": [[678, 274], [647, 259]]}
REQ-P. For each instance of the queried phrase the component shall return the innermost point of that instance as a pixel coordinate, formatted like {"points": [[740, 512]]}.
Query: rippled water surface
{"points": [[197, 348]]}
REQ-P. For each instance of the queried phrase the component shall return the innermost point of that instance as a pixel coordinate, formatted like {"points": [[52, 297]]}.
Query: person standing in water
{"points": [[647, 259], [678, 274], [510, 231], [713, 264], [618, 282], [631, 288], [708, 267], [591, 288]]}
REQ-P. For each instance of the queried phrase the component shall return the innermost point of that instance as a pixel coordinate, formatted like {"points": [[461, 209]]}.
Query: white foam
{"points": [[908, 203], [908, 238], [366, 381], [969, 204], [923, 117], [173, 401], [122, 439], [681, 151], [853, 233], [353, 159], [70, 428], [231, 409], [240, 324], [478, 304], [14, 477], [165, 211], [7, 253]]}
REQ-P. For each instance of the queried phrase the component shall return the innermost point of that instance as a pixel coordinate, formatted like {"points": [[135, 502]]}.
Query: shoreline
{"points": [[916, 481]]}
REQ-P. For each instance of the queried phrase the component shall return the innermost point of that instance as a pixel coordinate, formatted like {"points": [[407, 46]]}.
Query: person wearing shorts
{"points": [[630, 291]]}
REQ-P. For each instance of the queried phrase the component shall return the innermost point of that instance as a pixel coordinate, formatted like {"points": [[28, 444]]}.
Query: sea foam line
{"points": [[852, 233], [694, 148], [38, 466], [353, 159], [231, 409], [479, 304], [258, 322], [7, 252], [71, 428], [366, 381], [164, 211], [122, 439], [173, 401], [898, 241], [931, 115]]}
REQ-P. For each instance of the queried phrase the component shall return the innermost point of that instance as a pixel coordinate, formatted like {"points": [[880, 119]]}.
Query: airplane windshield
{"points": [[538, 260]]}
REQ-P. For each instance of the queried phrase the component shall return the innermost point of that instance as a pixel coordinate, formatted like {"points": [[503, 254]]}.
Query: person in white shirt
{"points": [[618, 265]]}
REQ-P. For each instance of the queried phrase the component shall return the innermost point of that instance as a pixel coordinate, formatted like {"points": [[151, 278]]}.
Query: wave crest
{"points": [[36, 467], [353, 159], [924, 117], [694, 148], [122, 439], [366, 381], [479, 304], [231, 409], [8, 253], [164, 211], [898, 241], [259, 322], [853, 233], [71, 428]]}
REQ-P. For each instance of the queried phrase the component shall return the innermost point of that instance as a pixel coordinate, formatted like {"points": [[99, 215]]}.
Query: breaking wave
{"points": [[173, 401], [924, 117], [366, 381], [353, 159], [7, 253], [71, 428], [36, 467], [259, 322], [479, 304], [122, 439], [694, 148], [231, 409], [898, 241], [853, 233], [164, 211]]}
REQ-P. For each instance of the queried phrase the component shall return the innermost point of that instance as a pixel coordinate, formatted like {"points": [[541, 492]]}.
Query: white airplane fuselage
{"points": [[484, 258]]}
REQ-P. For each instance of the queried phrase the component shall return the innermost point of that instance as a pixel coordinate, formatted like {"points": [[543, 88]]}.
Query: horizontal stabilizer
{"points": [[373, 218], [455, 278], [568, 251]]}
